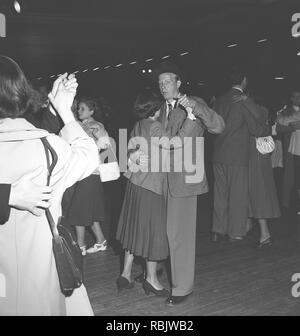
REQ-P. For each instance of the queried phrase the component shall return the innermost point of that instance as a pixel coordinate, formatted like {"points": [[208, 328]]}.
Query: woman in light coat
{"points": [[29, 282]]}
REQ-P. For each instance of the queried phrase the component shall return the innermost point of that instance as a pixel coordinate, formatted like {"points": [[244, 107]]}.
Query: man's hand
{"points": [[26, 195]]}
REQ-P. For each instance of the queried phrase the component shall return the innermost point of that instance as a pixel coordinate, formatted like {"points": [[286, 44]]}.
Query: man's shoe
{"points": [[174, 300]]}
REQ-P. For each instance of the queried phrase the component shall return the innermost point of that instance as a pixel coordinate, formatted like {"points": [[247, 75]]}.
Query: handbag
{"points": [[265, 145], [109, 171], [67, 254]]}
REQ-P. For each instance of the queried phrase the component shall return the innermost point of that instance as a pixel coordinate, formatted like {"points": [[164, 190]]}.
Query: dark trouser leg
{"points": [[220, 212], [238, 200]]}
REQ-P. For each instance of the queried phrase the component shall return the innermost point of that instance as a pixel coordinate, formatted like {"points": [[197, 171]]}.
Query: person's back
{"points": [[30, 284], [141, 136], [232, 145]]}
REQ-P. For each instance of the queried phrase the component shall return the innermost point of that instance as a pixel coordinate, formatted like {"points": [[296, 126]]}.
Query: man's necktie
{"points": [[170, 107]]}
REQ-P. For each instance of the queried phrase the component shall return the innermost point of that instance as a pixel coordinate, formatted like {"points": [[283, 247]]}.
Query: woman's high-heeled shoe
{"points": [[123, 283], [158, 292]]}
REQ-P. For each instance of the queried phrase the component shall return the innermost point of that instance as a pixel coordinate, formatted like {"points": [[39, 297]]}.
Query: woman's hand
{"points": [[239, 98], [295, 125], [62, 96], [186, 102], [139, 158]]}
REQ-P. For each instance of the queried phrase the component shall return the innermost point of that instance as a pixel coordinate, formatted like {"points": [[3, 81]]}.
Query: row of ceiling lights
{"points": [[144, 71]]}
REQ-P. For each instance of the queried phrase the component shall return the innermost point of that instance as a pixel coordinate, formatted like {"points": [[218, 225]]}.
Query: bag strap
{"points": [[48, 148]]}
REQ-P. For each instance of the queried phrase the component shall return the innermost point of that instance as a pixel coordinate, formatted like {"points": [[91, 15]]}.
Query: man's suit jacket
{"points": [[185, 183], [242, 120]]}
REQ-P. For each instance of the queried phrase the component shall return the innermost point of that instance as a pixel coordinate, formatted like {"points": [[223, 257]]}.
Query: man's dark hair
{"points": [[146, 104], [236, 75], [296, 89], [16, 95]]}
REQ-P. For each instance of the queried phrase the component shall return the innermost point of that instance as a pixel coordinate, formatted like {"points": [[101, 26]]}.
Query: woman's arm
{"points": [[100, 135], [79, 153]]}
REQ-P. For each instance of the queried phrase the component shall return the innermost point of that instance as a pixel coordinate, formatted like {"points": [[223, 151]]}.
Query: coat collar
{"points": [[19, 129]]}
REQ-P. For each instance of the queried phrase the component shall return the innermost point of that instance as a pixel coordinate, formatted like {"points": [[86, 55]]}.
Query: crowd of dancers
{"points": [[159, 211]]}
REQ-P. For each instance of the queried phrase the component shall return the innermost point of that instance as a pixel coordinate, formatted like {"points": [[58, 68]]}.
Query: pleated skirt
{"points": [[142, 223]]}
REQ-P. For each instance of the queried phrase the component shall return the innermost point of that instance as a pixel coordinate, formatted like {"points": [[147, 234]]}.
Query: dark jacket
{"points": [[242, 120], [4, 198], [44, 119]]}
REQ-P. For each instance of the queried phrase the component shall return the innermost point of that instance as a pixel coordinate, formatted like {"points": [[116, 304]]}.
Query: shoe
{"points": [[83, 250], [235, 239], [123, 283], [97, 247], [265, 243], [158, 292], [174, 300]]}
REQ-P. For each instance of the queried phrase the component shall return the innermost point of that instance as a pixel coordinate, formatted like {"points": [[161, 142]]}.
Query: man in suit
{"points": [[231, 158], [182, 187]]}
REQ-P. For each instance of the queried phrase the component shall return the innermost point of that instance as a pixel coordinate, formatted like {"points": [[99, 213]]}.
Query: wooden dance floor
{"points": [[230, 278]]}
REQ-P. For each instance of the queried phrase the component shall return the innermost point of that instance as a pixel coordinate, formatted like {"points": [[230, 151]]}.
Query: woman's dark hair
{"points": [[16, 95], [146, 104], [93, 105]]}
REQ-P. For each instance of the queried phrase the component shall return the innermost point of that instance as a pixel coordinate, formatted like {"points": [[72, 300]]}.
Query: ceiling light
{"points": [[262, 40], [17, 7]]}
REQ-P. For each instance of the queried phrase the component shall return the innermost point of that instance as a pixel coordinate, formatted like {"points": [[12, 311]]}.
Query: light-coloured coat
{"points": [[28, 278]]}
